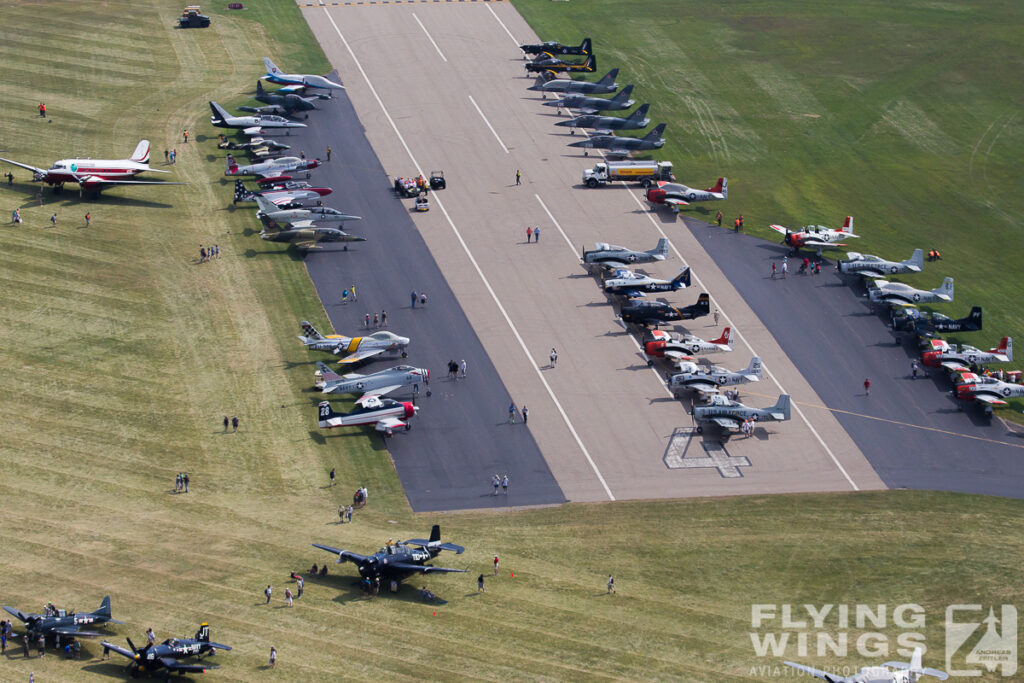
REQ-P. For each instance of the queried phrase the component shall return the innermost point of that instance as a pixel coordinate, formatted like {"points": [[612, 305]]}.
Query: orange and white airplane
{"points": [[97, 174]]}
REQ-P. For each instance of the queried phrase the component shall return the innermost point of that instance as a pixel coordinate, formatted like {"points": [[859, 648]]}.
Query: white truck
{"points": [[644, 172]]}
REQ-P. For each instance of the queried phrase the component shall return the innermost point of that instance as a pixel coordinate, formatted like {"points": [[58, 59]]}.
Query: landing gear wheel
{"points": [[699, 430], [405, 354], [408, 427]]}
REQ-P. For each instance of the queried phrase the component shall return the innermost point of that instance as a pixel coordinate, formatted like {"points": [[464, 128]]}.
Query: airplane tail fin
{"points": [[309, 333], [916, 259], [203, 634], [847, 226], [781, 407], [726, 337], [104, 610], [623, 95], [655, 133], [945, 289], [754, 368], [974, 317], [585, 47], [916, 667], [660, 250], [141, 153], [259, 89], [326, 413], [683, 279], [704, 304], [609, 77], [641, 112], [591, 64], [721, 186], [271, 67], [219, 113], [1006, 348], [435, 533]]}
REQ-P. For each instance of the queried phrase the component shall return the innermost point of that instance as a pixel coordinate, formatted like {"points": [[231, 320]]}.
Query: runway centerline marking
{"points": [[429, 37], [572, 248], [494, 132], [503, 25], [479, 270]]}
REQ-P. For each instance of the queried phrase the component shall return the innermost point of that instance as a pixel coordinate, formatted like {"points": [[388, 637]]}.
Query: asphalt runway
{"points": [[460, 437], [910, 430]]}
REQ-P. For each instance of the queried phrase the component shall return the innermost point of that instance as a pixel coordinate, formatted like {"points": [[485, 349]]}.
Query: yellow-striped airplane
{"points": [[383, 343]]}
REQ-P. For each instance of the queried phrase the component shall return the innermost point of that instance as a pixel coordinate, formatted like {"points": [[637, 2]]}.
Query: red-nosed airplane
{"points": [[384, 413], [661, 344], [956, 360], [676, 195], [816, 236]]}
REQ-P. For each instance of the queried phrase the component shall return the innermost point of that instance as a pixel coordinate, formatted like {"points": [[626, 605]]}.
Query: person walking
{"points": [[718, 219], [344, 296], [716, 317], [177, 482], [10, 178], [611, 584], [785, 267], [383, 318], [504, 484], [273, 656], [519, 177], [867, 387], [913, 369], [536, 234], [300, 583], [88, 218], [526, 414], [773, 270], [288, 597], [328, 152], [495, 482], [234, 423], [495, 565], [412, 297], [352, 291], [332, 476], [167, 156], [480, 584], [268, 592], [529, 233], [423, 300], [462, 369], [512, 413], [348, 514], [553, 357], [226, 423], [53, 220]]}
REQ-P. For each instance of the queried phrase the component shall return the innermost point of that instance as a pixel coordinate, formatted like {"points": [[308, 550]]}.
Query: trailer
{"points": [[644, 172]]}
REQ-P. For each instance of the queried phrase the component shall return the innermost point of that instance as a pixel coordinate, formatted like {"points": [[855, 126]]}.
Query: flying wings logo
{"points": [[996, 648]]}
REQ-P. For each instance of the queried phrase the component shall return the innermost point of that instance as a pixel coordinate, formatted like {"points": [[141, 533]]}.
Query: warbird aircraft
{"points": [[400, 560], [730, 415], [549, 64], [633, 285], [928, 325], [97, 174], [605, 85], [619, 147], [676, 195], [384, 414], [899, 294], [304, 236], [905, 672], [59, 623], [301, 218], [274, 75], [992, 393], [951, 358], [250, 125], [867, 265], [655, 312], [254, 143], [816, 236], [358, 348], [612, 256], [165, 656], [707, 379], [661, 344], [287, 103], [595, 105], [552, 47], [272, 169], [286, 194], [635, 121], [375, 384]]}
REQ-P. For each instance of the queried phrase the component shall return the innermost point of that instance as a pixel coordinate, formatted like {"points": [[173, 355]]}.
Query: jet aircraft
{"points": [[595, 105], [551, 65], [301, 218], [991, 392], [165, 655], [661, 344], [284, 194], [552, 47], [303, 235], [250, 125], [271, 169], [730, 415], [274, 75], [655, 312], [706, 380], [951, 358], [358, 348], [605, 85], [384, 414], [59, 623], [816, 236], [612, 256], [399, 560], [928, 325], [254, 143], [899, 294], [634, 285], [97, 174], [676, 195], [621, 146], [287, 104], [635, 121], [867, 265], [375, 384], [905, 672]]}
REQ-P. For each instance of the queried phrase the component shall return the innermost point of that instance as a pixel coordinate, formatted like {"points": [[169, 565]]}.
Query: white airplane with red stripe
{"points": [[276, 169], [676, 194], [988, 390], [384, 414], [661, 344], [816, 236], [97, 174]]}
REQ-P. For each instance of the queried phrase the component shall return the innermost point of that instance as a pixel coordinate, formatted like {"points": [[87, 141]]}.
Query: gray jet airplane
{"points": [[304, 236], [288, 104], [595, 105], [606, 85], [730, 415], [867, 265], [375, 384], [58, 623], [619, 147], [612, 256], [301, 218], [706, 379], [635, 121], [906, 672]]}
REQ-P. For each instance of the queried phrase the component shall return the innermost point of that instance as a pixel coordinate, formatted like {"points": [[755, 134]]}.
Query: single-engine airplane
{"points": [[359, 348], [676, 195], [993, 393], [634, 285], [906, 672], [165, 656], [730, 415], [816, 236], [612, 256], [655, 312], [899, 294], [551, 65], [867, 265], [661, 344], [553, 47], [707, 379], [384, 414], [399, 560], [57, 622], [960, 359], [928, 325]]}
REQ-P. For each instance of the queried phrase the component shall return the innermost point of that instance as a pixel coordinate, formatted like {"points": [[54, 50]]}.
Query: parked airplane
{"points": [[551, 65], [384, 414], [633, 285], [676, 195], [96, 174], [399, 560], [250, 125], [358, 348], [928, 325], [905, 672], [706, 380], [621, 146], [375, 384], [612, 256], [605, 85], [286, 194], [951, 358], [165, 656], [301, 218], [899, 294], [56, 622], [304, 236], [271, 169], [287, 103], [867, 265], [274, 75], [730, 415], [254, 143], [654, 312], [635, 121], [595, 105], [661, 344], [552, 47], [989, 391], [816, 236]]}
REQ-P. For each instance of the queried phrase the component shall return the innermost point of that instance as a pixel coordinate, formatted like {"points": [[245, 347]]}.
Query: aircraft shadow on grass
{"points": [[72, 199], [110, 669]]}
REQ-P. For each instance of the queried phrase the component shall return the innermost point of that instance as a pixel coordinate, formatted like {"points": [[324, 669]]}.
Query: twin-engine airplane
{"points": [[595, 105], [59, 623], [816, 236], [250, 125], [553, 47], [707, 380], [97, 174], [867, 265], [635, 121], [612, 256], [165, 655], [661, 344], [297, 81], [676, 194], [358, 348], [375, 384], [655, 312], [633, 285], [400, 560], [384, 414], [603, 86], [618, 146]]}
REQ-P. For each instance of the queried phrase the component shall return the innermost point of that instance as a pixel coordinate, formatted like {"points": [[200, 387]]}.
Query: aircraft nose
{"points": [[410, 409]]}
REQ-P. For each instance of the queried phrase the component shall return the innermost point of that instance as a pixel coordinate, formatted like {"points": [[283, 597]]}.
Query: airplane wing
{"points": [[613, 264], [304, 223], [307, 245], [343, 554], [821, 243], [780, 229], [389, 423], [73, 631], [218, 646], [817, 673], [954, 366], [383, 391], [40, 171], [677, 356], [361, 355], [990, 399], [325, 372], [172, 664], [119, 650], [632, 293], [672, 201], [92, 182], [423, 569], [871, 273], [729, 423]]}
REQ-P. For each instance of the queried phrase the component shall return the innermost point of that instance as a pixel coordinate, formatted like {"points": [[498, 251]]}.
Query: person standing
{"points": [[480, 584], [785, 266], [376, 320], [332, 476], [716, 317], [383, 318], [495, 482], [273, 656], [177, 482], [553, 357], [504, 484], [536, 234], [529, 233], [288, 597], [10, 178], [185, 135], [167, 156], [328, 152], [913, 369], [53, 220], [519, 177], [42, 110], [366, 320], [867, 387], [718, 219], [423, 299], [495, 565], [413, 297], [39, 197], [526, 414], [512, 412], [348, 514], [184, 480], [611, 584], [300, 583], [736, 225], [352, 291], [226, 422], [741, 222], [234, 422], [462, 369], [88, 218], [341, 513], [268, 593], [150, 636]]}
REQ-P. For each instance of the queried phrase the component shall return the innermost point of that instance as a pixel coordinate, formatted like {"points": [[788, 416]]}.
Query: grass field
{"points": [[121, 354]]}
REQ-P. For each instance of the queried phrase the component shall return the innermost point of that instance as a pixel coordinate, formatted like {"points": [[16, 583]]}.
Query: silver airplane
{"points": [[635, 121], [375, 384], [618, 147], [612, 256], [271, 168], [899, 294], [706, 379], [867, 265], [250, 125], [606, 85], [301, 218], [595, 105], [905, 672], [358, 348], [730, 415], [634, 285]]}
